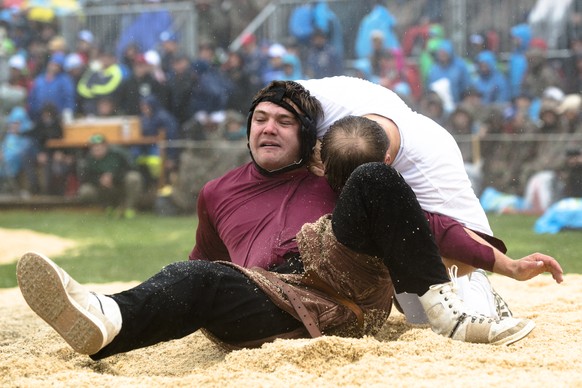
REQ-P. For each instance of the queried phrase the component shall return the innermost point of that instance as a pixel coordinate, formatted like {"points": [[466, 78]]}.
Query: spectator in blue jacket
{"points": [[154, 119], [53, 86], [490, 82], [521, 36], [14, 148], [448, 65], [379, 19], [322, 59]]}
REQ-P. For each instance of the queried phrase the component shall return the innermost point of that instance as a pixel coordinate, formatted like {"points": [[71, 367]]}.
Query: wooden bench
{"points": [[119, 130]]}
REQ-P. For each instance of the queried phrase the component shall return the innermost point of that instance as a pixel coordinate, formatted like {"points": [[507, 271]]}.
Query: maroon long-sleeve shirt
{"points": [[252, 220]]}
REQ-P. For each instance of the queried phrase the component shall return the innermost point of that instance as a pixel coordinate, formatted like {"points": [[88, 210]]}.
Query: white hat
{"points": [[152, 57], [72, 61], [553, 93], [277, 50], [476, 39], [377, 34], [86, 35], [17, 61]]}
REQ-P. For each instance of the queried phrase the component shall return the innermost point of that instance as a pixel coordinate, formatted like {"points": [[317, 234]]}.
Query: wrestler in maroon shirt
{"points": [[244, 216]]}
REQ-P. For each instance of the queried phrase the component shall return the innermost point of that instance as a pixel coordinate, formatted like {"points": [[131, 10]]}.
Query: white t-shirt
{"points": [[429, 158]]}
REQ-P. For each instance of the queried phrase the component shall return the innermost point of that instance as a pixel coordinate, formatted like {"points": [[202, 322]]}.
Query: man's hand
{"points": [[106, 180], [537, 263]]}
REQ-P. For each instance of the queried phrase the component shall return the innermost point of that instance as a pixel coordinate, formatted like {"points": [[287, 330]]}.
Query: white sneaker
{"points": [[448, 316], [501, 306], [474, 289], [477, 293], [77, 314]]}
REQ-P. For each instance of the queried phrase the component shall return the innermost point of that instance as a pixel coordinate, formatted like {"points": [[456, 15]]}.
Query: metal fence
{"points": [[460, 18], [109, 22]]}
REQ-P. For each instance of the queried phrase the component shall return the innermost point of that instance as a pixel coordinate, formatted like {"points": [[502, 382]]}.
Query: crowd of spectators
{"points": [[522, 94]]}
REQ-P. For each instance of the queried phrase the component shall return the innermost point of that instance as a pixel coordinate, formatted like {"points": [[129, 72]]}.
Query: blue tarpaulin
{"points": [[564, 214]]}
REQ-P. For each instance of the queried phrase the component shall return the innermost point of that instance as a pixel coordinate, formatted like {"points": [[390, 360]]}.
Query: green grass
{"points": [[110, 249], [124, 250], [517, 233]]}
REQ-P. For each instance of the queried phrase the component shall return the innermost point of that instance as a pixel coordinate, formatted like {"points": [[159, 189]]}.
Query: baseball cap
{"points": [[248, 39], [97, 139], [86, 35], [277, 50], [152, 57], [17, 61], [73, 61], [168, 36]]}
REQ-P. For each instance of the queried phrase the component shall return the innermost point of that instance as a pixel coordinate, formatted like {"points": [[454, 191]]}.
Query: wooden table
{"points": [[119, 130]]}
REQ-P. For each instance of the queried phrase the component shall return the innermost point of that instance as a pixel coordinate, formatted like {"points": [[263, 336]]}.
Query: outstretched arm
{"points": [[528, 267], [525, 268]]}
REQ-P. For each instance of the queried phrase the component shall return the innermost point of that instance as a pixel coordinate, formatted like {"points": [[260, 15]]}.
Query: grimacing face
{"points": [[274, 138]]}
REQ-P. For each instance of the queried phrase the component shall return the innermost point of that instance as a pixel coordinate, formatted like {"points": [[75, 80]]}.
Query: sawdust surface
{"points": [[401, 355]]}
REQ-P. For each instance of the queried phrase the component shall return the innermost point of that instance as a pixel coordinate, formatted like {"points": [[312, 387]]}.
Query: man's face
{"points": [[443, 56], [274, 137], [98, 151]]}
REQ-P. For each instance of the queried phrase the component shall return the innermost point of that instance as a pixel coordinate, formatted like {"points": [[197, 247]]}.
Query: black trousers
{"points": [[186, 296], [377, 213]]}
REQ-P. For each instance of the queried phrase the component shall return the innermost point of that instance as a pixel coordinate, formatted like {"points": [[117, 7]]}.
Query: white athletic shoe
{"points": [[448, 316], [481, 289], [77, 314], [501, 306]]}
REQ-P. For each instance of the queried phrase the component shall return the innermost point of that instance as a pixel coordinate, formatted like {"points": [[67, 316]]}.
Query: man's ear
{"points": [[315, 164], [388, 159]]}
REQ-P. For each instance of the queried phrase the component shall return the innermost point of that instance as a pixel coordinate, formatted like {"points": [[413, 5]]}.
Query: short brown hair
{"points": [[350, 142]]}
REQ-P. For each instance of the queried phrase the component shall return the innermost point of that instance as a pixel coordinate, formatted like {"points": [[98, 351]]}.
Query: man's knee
{"points": [[88, 193], [133, 180], [373, 177]]}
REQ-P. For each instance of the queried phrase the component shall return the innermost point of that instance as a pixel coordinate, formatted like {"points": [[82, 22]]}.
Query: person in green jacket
{"points": [[107, 178]]}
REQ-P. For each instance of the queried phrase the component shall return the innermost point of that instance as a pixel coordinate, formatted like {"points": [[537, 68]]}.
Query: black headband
{"points": [[277, 96], [308, 133]]}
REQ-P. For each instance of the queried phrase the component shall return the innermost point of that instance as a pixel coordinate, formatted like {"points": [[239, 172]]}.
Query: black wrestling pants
{"points": [[377, 213], [186, 296]]}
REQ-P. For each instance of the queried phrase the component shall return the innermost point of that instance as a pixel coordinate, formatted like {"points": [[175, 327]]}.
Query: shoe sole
{"points": [[517, 336], [44, 291]]}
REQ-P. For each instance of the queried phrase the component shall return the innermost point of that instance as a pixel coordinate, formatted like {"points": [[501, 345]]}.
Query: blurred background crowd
{"points": [[504, 77]]}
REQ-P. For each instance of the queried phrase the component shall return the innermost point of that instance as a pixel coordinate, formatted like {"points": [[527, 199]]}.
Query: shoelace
{"points": [[453, 271], [501, 306], [450, 295]]}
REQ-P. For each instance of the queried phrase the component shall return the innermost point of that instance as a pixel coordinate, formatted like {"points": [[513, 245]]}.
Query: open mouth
{"points": [[269, 145]]}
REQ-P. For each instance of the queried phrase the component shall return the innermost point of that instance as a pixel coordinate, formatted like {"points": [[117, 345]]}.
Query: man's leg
{"points": [[179, 300], [186, 296], [88, 193], [133, 189], [378, 214]]}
